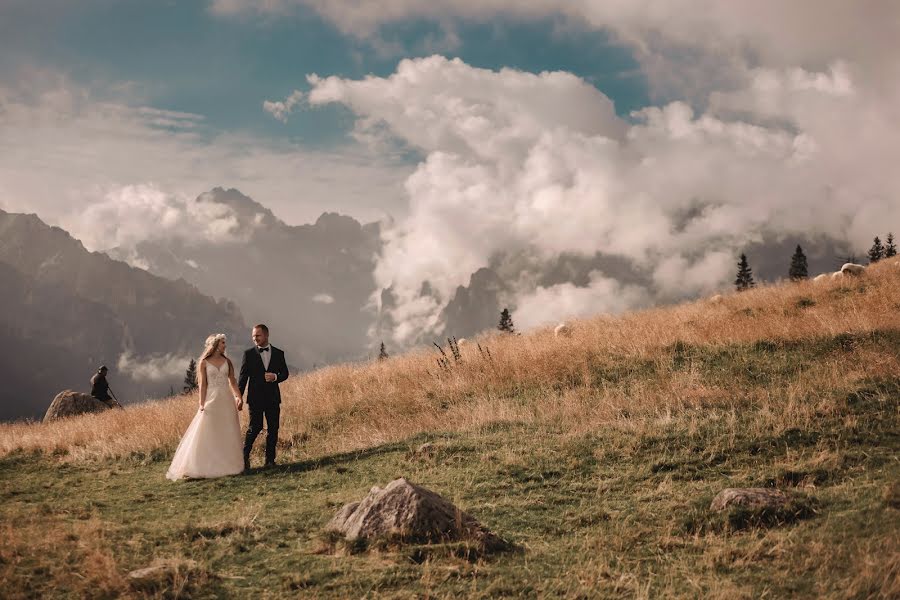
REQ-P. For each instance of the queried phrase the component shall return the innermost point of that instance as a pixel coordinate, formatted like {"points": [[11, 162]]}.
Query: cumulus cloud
{"points": [[602, 295], [153, 369], [134, 213], [539, 165], [102, 144], [281, 109]]}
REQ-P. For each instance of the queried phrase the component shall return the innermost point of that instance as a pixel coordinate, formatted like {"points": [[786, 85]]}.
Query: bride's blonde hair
{"points": [[211, 343], [210, 347]]}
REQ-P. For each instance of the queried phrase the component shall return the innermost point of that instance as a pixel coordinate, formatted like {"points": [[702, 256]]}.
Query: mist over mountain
{"points": [[315, 285], [68, 310], [311, 284], [570, 281]]}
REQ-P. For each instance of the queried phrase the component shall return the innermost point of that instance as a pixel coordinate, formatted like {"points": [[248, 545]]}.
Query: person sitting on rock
{"points": [[100, 387]]}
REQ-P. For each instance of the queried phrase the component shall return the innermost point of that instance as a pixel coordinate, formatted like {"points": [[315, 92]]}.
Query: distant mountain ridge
{"points": [[66, 310], [311, 284]]}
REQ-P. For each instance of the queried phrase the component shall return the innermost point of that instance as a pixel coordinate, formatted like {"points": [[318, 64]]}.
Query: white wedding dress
{"points": [[211, 446]]}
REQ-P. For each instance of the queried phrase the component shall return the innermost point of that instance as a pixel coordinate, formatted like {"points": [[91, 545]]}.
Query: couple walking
{"points": [[211, 446]]}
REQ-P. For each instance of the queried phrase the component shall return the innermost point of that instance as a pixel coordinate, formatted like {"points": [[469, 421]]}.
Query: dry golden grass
{"points": [[536, 378]]}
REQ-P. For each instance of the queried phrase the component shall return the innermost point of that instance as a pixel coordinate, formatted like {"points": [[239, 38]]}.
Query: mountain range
{"points": [[67, 310], [311, 284], [145, 309]]}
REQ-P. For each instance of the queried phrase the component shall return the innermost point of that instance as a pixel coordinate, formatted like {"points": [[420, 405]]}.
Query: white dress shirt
{"points": [[265, 356]]}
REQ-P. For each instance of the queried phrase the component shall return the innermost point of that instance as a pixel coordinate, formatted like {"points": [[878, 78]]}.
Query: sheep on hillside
{"points": [[837, 275], [821, 277], [716, 299], [852, 269], [461, 342], [562, 330]]}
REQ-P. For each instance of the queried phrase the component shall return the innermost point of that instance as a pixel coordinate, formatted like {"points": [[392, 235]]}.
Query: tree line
{"points": [[799, 269]]}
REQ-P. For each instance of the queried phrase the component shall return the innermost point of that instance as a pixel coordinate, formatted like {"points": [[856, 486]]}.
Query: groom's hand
{"points": [[270, 377]]}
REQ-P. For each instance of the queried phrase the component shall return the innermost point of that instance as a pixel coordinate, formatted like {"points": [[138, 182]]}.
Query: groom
{"points": [[263, 368]]}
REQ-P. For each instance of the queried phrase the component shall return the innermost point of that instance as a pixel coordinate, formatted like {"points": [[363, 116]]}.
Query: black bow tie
{"points": [[263, 349]]}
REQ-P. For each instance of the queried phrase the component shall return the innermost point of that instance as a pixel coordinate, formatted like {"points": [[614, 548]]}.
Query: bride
{"points": [[211, 446]]}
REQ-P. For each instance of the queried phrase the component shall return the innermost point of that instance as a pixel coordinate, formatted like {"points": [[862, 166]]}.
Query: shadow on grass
{"points": [[700, 519], [331, 460]]}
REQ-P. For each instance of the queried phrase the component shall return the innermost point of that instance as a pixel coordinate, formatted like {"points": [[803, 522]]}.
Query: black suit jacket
{"points": [[260, 392]]}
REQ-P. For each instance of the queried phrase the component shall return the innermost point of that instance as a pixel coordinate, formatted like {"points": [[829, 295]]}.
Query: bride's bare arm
{"points": [[238, 397], [201, 380]]}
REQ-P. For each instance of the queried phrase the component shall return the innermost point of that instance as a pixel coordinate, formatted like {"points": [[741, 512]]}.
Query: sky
{"points": [[207, 73], [666, 134]]}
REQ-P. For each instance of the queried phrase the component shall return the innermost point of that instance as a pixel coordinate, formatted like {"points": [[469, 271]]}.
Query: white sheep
{"points": [[821, 277], [852, 269], [837, 275], [461, 342], [562, 330], [716, 299]]}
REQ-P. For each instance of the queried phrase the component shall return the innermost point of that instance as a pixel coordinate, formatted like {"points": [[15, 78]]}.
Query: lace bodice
{"points": [[217, 373]]}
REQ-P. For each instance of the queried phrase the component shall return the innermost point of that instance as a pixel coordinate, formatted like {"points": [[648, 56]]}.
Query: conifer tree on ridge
{"points": [[190, 377], [876, 252], [744, 280], [506, 322], [890, 249], [799, 268]]}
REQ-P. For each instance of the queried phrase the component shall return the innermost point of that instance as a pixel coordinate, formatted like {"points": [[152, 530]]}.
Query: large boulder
{"points": [[403, 511], [70, 404]]}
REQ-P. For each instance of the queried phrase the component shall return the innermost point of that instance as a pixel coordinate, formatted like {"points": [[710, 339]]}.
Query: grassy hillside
{"points": [[596, 454]]}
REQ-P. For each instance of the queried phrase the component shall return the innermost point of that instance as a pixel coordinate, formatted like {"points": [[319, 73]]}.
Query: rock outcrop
{"points": [[405, 512], [70, 404]]}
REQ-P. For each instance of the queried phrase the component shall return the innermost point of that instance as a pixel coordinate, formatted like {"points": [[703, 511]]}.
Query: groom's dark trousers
{"points": [[263, 397]]}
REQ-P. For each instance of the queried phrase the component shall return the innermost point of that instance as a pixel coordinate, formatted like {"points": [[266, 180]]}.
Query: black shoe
{"points": [[270, 464], [246, 465]]}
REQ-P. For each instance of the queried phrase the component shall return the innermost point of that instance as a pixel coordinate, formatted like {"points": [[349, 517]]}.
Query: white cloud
{"points": [[134, 213], [539, 165], [783, 33], [66, 148], [602, 295], [153, 368], [280, 110]]}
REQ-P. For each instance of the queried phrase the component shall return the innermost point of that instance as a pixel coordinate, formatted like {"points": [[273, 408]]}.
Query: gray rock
{"points": [[407, 512], [752, 498], [70, 404]]}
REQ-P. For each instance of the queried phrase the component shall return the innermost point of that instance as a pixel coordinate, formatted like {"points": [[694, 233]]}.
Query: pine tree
{"points": [[190, 377], [876, 252], [744, 279], [506, 322], [890, 249], [382, 354], [799, 269]]}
